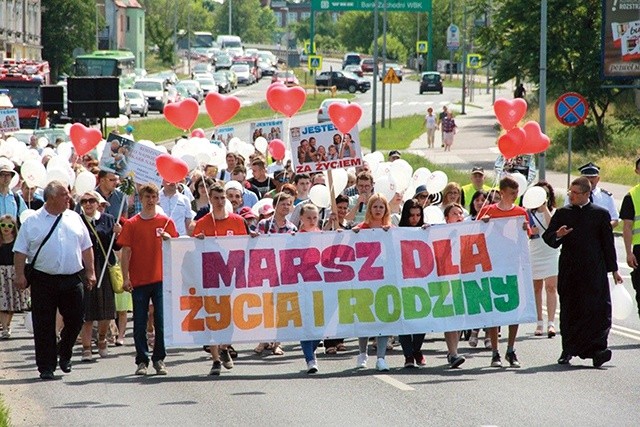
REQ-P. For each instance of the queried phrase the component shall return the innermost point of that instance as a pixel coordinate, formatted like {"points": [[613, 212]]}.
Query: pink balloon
{"points": [[277, 149], [84, 139], [510, 112], [198, 133], [535, 141], [286, 100], [345, 116], [171, 168], [512, 143], [221, 108], [182, 114]]}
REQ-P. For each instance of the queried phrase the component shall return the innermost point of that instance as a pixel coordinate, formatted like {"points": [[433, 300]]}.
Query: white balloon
{"points": [[34, 173], [234, 144], [522, 182], [320, 196], [377, 155], [67, 129], [621, 302], [58, 175], [28, 322], [534, 197], [100, 148], [261, 144], [372, 160], [57, 162], [246, 150], [436, 182], [33, 154], [386, 186], [162, 149], [203, 158], [401, 171], [123, 120], [26, 214], [340, 178], [228, 206], [64, 150], [147, 143], [263, 202], [14, 181], [383, 169], [420, 177], [48, 152], [85, 181], [433, 215], [190, 160], [43, 142]]}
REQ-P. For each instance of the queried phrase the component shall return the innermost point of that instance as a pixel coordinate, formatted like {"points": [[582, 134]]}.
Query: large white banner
{"points": [[282, 287]]}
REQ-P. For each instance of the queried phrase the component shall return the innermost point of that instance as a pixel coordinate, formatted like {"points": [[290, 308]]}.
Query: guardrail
{"points": [[317, 89]]}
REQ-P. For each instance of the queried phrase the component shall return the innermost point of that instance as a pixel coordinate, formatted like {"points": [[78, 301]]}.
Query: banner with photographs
{"points": [[621, 39], [223, 135], [269, 130], [321, 147], [9, 120], [125, 157]]}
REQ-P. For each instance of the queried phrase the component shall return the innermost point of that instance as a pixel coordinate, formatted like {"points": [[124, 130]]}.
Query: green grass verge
{"points": [[5, 420], [454, 175], [158, 130], [399, 136]]}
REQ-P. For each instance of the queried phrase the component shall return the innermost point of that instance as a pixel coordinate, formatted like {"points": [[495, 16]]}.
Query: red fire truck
{"points": [[23, 78]]}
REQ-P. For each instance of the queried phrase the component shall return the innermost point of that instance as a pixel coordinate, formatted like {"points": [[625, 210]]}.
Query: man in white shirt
{"points": [[55, 282], [176, 206]]}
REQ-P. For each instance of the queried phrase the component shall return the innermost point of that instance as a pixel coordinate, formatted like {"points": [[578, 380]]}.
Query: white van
{"points": [[231, 44]]}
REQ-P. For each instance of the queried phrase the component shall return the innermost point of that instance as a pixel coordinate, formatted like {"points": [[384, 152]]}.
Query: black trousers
{"points": [[48, 294], [635, 276]]}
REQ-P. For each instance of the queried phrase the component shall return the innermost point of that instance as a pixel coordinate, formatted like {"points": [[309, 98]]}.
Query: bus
{"points": [[202, 39], [107, 63]]}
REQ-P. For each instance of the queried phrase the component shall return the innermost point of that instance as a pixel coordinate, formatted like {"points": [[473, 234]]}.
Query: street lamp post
{"points": [[230, 12], [543, 82]]}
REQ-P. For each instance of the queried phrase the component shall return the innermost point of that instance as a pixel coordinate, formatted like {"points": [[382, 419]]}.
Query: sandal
{"points": [[331, 350], [260, 347], [341, 347], [277, 350], [551, 331], [103, 349], [86, 354], [232, 352], [538, 331]]}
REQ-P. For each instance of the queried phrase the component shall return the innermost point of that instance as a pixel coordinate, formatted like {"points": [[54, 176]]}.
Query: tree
{"points": [[66, 25], [512, 42], [249, 20], [395, 50]]}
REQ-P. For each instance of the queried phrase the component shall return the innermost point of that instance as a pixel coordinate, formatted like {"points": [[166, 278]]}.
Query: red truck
{"points": [[23, 78]]}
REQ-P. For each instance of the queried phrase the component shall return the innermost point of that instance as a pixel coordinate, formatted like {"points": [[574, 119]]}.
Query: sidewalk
{"points": [[476, 145]]}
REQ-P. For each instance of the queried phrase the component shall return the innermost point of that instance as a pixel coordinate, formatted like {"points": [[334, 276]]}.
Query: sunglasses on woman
{"points": [[5, 225], [84, 201]]}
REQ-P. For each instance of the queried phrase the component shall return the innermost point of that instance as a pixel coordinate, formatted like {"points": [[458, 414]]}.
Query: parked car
{"points": [[202, 68], [245, 76], [266, 68], [323, 111], [137, 101], [154, 90], [223, 61], [367, 65], [287, 77], [397, 68], [208, 84], [193, 89], [123, 104], [224, 85], [351, 58], [233, 78], [430, 81], [355, 69], [342, 80]]}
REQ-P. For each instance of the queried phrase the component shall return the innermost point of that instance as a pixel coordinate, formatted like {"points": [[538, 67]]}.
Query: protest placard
{"points": [[223, 135], [343, 284], [269, 130], [125, 157], [9, 120]]}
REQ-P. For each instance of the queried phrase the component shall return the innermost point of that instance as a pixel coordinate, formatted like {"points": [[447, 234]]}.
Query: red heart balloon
{"points": [[277, 149], [182, 114], [171, 169], [198, 133], [286, 100], [535, 141], [512, 143], [345, 116], [84, 139], [221, 108], [510, 112]]}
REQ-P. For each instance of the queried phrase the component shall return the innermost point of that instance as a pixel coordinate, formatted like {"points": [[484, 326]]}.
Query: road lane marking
{"points": [[394, 382]]}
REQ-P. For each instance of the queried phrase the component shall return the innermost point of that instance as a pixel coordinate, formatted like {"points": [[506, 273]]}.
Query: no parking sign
{"points": [[571, 109]]}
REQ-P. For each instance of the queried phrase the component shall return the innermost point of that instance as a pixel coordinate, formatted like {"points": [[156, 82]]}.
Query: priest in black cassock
{"points": [[587, 255]]}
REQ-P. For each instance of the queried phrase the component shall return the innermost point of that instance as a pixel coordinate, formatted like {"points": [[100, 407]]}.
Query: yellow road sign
{"points": [[315, 62], [474, 60], [422, 46], [391, 77]]}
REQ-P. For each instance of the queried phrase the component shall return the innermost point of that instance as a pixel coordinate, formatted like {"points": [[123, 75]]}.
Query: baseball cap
{"points": [[477, 169], [421, 189], [394, 153], [246, 213]]}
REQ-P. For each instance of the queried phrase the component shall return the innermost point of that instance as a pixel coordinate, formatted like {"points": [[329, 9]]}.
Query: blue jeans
{"points": [[309, 349], [141, 296]]}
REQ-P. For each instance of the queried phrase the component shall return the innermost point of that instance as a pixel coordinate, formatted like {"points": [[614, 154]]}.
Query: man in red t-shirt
{"points": [[141, 241], [219, 223], [504, 209]]}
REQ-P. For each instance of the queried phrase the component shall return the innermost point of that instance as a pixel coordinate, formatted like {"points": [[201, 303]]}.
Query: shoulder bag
{"points": [[115, 271], [29, 268]]}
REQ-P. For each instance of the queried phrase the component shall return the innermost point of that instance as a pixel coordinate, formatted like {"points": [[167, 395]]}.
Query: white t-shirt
{"points": [[430, 121]]}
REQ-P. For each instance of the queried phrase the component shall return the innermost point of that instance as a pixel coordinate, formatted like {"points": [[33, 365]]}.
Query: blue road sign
{"points": [[571, 109]]}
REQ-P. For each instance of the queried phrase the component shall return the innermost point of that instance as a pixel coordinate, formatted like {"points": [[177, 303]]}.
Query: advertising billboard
{"points": [[621, 39]]}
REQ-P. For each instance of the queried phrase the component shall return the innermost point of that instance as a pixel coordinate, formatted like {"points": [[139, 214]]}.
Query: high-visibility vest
{"points": [[635, 198]]}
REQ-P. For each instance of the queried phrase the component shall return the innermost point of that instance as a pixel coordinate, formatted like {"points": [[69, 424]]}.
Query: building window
{"points": [[292, 17], [128, 24], [306, 15]]}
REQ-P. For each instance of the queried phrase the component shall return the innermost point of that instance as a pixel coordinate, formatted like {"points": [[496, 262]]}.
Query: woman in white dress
{"points": [[544, 261]]}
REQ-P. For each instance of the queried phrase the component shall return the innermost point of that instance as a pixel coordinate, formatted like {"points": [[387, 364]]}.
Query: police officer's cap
{"points": [[590, 169]]}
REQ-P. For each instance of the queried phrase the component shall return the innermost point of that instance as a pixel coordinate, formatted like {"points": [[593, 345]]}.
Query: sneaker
{"points": [[160, 368], [216, 368], [487, 343], [362, 361], [473, 340], [496, 362], [86, 355], [419, 358], [381, 365], [312, 366], [142, 369], [512, 359], [225, 357], [455, 360], [409, 362], [6, 334]]}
